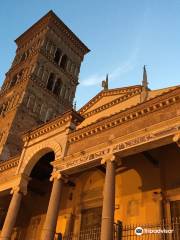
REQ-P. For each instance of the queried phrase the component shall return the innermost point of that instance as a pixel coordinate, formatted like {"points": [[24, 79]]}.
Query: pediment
{"points": [[106, 97]]}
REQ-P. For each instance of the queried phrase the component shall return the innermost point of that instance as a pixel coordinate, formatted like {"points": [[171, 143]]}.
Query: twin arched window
{"points": [[54, 85], [60, 60]]}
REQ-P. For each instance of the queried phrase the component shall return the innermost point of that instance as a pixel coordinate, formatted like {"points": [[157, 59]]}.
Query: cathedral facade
{"points": [[67, 174]]}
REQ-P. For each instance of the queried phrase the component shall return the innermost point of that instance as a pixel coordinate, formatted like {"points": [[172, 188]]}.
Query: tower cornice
{"points": [[49, 20]]}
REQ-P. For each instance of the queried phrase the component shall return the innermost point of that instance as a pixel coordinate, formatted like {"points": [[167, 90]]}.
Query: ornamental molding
{"points": [[110, 92], [8, 164], [112, 103], [71, 162], [176, 139], [45, 23], [20, 186], [143, 109], [70, 116]]}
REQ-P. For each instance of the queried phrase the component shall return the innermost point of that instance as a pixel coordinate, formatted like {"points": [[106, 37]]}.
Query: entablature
{"points": [[130, 114]]}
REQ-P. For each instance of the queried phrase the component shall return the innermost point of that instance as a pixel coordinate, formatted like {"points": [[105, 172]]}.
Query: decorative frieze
{"points": [[69, 163], [11, 163]]}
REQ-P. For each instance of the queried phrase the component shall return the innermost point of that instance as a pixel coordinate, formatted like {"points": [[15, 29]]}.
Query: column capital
{"points": [[20, 185], [176, 139], [56, 175], [108, 157]]}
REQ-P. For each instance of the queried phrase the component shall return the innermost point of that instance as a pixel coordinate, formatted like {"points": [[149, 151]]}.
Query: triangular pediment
{"points": [[108, 96]]}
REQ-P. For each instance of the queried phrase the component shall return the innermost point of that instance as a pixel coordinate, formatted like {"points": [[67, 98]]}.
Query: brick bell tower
{"points": [[41, 82]]}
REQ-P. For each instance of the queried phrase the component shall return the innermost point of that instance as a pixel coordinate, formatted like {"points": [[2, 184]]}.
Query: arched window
{"points": [[23, 57], [57, 87], [57, 56], [13, 81], [50, 82], [63, 63]]}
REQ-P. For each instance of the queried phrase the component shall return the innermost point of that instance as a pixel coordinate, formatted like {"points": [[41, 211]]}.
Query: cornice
{"points": [[10, 163], [70, 116], [129, 114], [48, 20], [109, 92], [112, 103]]}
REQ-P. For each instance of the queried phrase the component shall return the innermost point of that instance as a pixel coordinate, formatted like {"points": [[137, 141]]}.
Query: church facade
{"points": [[67, 174]]}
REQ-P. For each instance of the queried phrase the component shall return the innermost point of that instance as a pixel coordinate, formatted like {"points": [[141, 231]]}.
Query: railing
{"points": [[165, 230]]}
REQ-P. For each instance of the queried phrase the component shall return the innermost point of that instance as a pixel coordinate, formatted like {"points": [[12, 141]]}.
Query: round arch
{"points": [[37, 153]]}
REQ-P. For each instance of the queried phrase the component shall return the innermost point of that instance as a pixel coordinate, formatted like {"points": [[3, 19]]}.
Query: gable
{"points": [[105, 97], [106, 105]]}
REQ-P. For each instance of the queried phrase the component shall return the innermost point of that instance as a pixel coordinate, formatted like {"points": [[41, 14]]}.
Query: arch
{"points": [[57, 87], [50, 82], [63, 63], [36, 153]]}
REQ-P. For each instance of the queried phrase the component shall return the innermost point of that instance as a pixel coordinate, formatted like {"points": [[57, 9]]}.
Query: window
{"points": [[63, 63], [57, 87], [57, 56], [13, 81], [23, 57], [50, 82]]}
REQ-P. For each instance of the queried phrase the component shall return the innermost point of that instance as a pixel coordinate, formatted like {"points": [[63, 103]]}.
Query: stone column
{"points": [[107, 224], [49, 227], [12, 212]]}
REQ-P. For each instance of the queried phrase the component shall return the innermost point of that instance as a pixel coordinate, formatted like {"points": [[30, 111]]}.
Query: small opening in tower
{"points": [[57, 87], [13, 81], [57, 56], [23, 57], [64, 62], [50, 82]]}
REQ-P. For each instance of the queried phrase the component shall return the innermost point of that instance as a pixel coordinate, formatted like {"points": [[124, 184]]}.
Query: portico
{"points": [[127, 142]]}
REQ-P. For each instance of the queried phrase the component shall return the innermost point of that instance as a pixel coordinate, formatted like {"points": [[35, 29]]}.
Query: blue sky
{"points": [[123, 35]]}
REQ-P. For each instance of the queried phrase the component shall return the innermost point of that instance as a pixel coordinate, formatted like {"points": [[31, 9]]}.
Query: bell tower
{"points": [[41, 82]]}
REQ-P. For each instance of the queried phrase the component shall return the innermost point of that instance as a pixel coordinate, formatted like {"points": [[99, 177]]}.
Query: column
{"points": [[11, 214], [107, 224], [49, 227]]}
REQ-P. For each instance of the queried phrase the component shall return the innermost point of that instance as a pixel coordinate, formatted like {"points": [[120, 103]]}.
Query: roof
{"points": [[47, 19], [112, 101]]}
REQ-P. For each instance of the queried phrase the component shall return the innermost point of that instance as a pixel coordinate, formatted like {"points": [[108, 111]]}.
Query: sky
{"points": [[123, 35]]}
